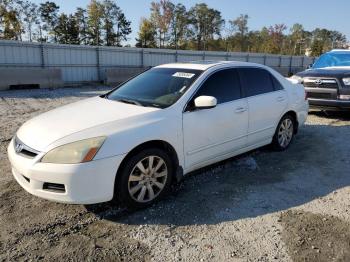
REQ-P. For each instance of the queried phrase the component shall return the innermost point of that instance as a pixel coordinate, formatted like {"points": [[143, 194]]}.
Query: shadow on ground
{"points": [[335, 115], [255, 184]]}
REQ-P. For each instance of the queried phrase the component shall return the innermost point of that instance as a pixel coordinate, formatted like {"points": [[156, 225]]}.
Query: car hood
{"points": [[43, 130], [337, 72]]}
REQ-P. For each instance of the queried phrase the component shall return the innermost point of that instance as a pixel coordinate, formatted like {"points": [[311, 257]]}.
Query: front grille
{"points": [[321, 83], [24, 150], [28, 153], [319, 95], [57, 188]]}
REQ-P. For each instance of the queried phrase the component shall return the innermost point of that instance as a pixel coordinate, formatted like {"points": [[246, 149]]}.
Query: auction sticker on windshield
{"points": [[184, 75]]}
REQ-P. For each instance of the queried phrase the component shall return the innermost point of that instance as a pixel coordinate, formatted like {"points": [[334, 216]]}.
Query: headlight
{"points": [[297, 78], [74, 153], [346, 81]]}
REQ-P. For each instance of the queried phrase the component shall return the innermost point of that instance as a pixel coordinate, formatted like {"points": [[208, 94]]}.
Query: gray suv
{"points": [[327, 81]]}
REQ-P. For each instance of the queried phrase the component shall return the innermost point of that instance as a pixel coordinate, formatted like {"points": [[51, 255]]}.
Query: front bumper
{"points": [[329, 104], [86, 183]]}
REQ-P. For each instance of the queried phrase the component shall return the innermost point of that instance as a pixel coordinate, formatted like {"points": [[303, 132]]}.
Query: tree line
{"points": [[203, 28], [100, 23], [199, 27]]}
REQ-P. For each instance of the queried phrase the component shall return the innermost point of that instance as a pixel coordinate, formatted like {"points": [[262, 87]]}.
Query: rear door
{"points": [[210, 134], [267, 100]]}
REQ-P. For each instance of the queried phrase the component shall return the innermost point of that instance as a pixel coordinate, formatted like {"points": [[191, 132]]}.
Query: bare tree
{"points": [[30, 17]]}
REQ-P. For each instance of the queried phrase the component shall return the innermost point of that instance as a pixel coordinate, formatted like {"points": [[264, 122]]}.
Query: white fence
{"points": [[89, 63]]}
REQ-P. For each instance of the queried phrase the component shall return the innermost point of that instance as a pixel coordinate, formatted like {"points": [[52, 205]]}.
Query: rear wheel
{"points": [[284, 133], [145, 178]]}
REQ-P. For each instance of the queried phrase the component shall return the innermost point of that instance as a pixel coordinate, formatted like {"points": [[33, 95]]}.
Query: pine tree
{"points": [[95, 16], [116, 26], [49, 16], [81, 19]]}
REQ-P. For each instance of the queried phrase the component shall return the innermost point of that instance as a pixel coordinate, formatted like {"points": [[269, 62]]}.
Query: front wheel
{"points": [[284, 133], [145, 178]]}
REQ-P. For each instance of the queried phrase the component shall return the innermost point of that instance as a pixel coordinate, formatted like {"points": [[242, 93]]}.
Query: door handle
{"points": [[240, 109], [280, 99]]}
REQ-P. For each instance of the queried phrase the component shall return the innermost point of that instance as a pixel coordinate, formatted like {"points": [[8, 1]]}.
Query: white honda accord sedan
{"points": [[133, 142]]}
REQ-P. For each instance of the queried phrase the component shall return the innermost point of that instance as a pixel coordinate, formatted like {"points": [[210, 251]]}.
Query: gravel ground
{"points": [[262, 206]]}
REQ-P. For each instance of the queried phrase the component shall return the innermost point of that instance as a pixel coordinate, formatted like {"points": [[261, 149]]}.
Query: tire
{"points": [[284, 133], [137, 186]]}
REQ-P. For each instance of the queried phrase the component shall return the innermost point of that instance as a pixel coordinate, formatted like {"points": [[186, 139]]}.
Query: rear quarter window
{"points": [[276, 83]]}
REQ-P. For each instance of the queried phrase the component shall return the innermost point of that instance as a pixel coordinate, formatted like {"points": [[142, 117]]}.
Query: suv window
{"points": [[224, 85], [256, 81]]}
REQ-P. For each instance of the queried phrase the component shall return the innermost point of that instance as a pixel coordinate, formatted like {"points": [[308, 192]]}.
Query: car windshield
{"points": [[157, 87], [333, 59]]}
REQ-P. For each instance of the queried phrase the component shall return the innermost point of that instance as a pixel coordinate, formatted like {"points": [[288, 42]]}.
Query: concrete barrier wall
{"points": [[118, 75], [91, 64], [43, 78]]}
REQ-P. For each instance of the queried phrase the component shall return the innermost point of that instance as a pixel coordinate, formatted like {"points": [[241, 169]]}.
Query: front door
{"points": [[210, 134]]}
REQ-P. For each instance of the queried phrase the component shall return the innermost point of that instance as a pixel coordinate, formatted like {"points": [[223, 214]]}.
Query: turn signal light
{"points": [[90, 155], [344, 97]]}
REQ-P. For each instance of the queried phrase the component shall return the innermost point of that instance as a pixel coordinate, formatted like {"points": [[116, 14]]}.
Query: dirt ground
{"points": [[262, 206]]}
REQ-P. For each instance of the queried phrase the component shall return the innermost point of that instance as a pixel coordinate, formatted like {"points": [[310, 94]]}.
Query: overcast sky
{"points": [[333, 15]]}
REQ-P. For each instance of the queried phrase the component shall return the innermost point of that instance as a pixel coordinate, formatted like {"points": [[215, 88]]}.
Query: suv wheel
{"points": [[284, 133], [145, 178]]}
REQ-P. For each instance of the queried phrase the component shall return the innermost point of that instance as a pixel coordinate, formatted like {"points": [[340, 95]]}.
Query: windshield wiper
{"points": [[128, 101]]}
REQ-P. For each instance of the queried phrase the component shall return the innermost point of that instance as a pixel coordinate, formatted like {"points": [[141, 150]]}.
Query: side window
{"points": [[256, 81], [276, 84], [224, 85]]}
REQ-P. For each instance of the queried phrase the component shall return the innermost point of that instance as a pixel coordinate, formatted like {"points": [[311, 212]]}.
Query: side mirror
{"points": [[205, 102], [310, 66]]}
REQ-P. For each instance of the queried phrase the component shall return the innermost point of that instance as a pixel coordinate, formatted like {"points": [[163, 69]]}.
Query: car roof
{"points": [[340, 51], [206, 64]]}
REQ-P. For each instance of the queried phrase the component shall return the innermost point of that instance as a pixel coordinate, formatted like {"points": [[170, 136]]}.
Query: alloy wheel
{"points": [[285, 132], [147, 179]]}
